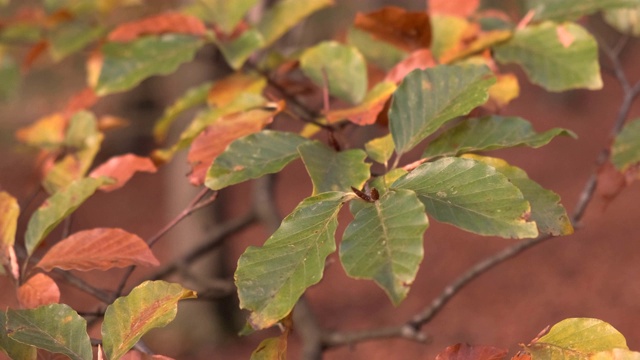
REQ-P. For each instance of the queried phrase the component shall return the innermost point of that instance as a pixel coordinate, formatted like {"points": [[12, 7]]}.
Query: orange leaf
{"points": [[215, 138], [564, 36], [121, 168], [110, 122], [34, 53], [98, 249], [49, 130], [461, 8], [521, 356], [225, 90], [38, 290], [94, 67], [407, 30], [136, 355], [502, 92], [468, 352], [83, 99], [366, 112], [420, 59], [170, 22]]}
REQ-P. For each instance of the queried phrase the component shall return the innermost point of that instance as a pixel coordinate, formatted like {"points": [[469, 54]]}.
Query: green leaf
{"points": [[342, 67], [562, 10], [15, 349], [472, 196], [225, 14], [56, 208], [381, 53], [284, 15], [577, 339], [237, 51], [193, 97], [56, 328], [426, 99], [384, 242], [625, 151], [125, 65], [616, 354], [448, 31], [270, 279], [273, 348], [253, 156], [380, 149], [72, 37], [490, 133], [546, 211], [548, 62], [334, 171], [149, 305], [626, 21]]}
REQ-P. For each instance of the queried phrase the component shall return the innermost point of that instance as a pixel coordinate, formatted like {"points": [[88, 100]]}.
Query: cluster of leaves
{"points": [[416, 74]]}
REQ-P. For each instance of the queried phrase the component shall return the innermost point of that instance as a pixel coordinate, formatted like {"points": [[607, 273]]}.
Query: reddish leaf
{"points": [[34, 53], [172, 22], [366, 112], [121, 168], [420, 59], [564, 36], [468, 352], [136, 355], [407, 30], [38, 290], [83, 99], [215, 138], [521, 356], [98, 249], [461, 8], [110, 122]]}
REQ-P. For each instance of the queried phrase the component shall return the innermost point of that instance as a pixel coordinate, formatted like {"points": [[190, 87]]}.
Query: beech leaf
{"points": [[56, 328], [38, 290], [456, 8], [169, 22], [273, 348], [284, 15], [122, 168], [404, 29], [367, 111], [72, 37], [625, 151], [98, 249], [226, 14], [616, 354], [149, 305], [472, 196], [380, 149], [562, 10], [626, 20], [193, 97], [47, 132], [384, 242], [15, 349], [9, 212], [469, 352], [270, 279], [238, 50], [376, 51]]}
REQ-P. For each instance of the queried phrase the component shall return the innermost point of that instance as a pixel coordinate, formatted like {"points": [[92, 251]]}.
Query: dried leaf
{"points": [[122, 168], [472, 352], [38, 290], [420, 59], [98, 249], [172, 22], [407, 30]]}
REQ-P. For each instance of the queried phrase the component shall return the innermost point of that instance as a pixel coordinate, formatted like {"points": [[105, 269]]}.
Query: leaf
{"points": [[149, 305], [407, 30], [169, 22], [503, 91], [273, 348], [341, 67], [15, 350], [56, 208], [490, 133], [562, 10], [380, 149], [334, 171], [472, 196], [10, 75], [225, 91], [625, 150], [73, 37], [382, 54], [98, 249], [253, 156], [284, 15], [193, 97], [136, 355], [122, 168], [426, 99], [448, 31], [576, 338], [81, 100], [419, 59], [56, 328], [47, 132], [546, 211], [384, 242], [457, 8], [270, 279], [215, 138], [9, 212], [38, 290], [616, 354], [238, 50], [125, 65], [550, 64], [468, 352], [226, 14], [367, 111], [625, 21]]}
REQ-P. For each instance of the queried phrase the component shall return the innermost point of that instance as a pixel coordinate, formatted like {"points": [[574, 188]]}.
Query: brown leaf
{"points": [[136, 355], [98, 249], [407, 30], [420, 59], [83, 99], [472, 352], [173, 22], [460, 8], [215, 138], [565, 37], [122, 168], [38, 290]]}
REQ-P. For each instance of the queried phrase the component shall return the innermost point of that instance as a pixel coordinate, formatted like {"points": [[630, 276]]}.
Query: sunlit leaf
{"points": [[503, 91], [616, 354], [122, 168], [9, 212], [550, 64], [47, 132], [224, 92], [380, 149], [270, 279], [273, 348], [125, 65], [448, 31], [576, 338], [253, 156], [625, 151], [334, 171], [340, 67], [384, 242], [238, 50], [56, 208], [367, 111], [478, 43], [56, 328], [98, 249], [149, 305], [15, 349], [471, 195], [193, 97], [426, 99], [407, 30], [561, 10], [377, 51], [285, 14], [38, 290], [168, 22], [490, 133], [626, 21], [225, 14], [468, 352]]}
